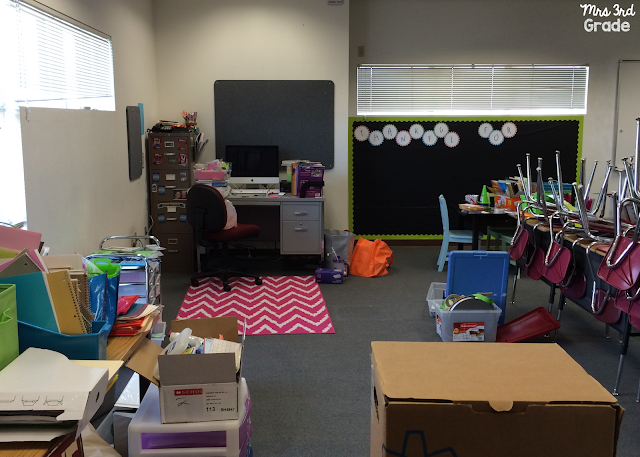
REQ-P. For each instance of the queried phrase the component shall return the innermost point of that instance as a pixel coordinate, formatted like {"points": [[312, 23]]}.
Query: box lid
{"points": [[498, 373]]}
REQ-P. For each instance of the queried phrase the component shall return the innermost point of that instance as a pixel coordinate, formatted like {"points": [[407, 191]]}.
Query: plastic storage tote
{"points": [[8, 325], [148, 437], [471, 272], [435, 296], [468, 325]]}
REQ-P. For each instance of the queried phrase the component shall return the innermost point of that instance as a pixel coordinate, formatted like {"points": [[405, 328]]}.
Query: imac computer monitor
{"points": [[253, 164]]}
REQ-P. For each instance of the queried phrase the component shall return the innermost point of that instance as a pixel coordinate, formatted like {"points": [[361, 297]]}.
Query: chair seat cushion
{"points": [[462, 236], [241, 231]]}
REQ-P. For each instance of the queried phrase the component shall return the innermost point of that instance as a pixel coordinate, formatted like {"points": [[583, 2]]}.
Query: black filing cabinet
{"points": [[170, 156]]}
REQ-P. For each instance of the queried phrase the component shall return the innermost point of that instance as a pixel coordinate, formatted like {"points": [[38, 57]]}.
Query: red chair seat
{"points": [[241, 231]]}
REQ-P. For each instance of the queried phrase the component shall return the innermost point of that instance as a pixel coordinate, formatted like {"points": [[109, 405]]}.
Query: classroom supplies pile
{"points": [[214, 173], [133, 317], [210, 381], [45, 395], [501, 400], [140, 272], [52, 300]]}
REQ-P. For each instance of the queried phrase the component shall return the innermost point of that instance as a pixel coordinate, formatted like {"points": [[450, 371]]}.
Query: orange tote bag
{"points": [[370, 258]]}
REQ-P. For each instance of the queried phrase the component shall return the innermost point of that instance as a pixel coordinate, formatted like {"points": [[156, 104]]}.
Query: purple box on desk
{"points": [[329, 276], [306, 173]]}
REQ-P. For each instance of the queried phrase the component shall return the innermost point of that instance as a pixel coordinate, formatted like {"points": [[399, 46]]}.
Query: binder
{"points": [[65, 303], [33, 300]]}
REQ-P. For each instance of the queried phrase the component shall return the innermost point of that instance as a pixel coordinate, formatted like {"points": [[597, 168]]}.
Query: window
{"points": [[48, 60], [62, 63], [472, 89]]}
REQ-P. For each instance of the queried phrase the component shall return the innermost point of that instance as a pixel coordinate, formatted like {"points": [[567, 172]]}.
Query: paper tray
{"points": [[534, 323], [92, 346]]}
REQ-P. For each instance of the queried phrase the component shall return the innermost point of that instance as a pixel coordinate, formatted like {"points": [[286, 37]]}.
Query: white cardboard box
{"points": [[199, 387], [41, 382]]}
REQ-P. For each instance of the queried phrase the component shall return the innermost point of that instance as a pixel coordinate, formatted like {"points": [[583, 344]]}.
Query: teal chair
{"points": [[450, 236]]}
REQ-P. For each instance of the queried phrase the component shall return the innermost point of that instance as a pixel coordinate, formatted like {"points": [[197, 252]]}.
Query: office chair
{"points": [[207, 214]]}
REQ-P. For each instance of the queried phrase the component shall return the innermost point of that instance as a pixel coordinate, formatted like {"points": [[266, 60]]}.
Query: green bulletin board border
{"points": [[580, 120]]}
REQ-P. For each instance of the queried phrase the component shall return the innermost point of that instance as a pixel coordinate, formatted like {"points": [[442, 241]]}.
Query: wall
{"points": [[201, 41], [76, 166], [495, 31]]}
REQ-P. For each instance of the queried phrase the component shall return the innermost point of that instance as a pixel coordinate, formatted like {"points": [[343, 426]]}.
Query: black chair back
{"points": [[206, 210]]}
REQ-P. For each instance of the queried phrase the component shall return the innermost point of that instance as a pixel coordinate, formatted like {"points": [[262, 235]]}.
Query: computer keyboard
{"points": [[249, 191]]}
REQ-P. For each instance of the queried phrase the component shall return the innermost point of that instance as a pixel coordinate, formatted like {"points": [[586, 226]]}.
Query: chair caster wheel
{"points": [[226, 287], [195, 282], [258, 282]]}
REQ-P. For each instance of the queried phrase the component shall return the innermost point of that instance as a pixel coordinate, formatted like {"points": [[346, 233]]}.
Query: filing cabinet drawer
{"points": [[176, 177], [178, 254], [172, 193], [300, 212], [300, 237], [170, 217]]}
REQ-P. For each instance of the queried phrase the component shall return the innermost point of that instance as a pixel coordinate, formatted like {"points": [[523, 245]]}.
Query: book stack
{"points": [[49, 299], [133, 318]]}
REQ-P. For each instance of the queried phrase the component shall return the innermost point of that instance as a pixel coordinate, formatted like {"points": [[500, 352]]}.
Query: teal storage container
{"points": [[9, 348]]}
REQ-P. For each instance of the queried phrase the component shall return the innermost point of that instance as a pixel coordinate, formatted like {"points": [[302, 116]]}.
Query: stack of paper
{"points": [[139, 318], [217, 346]]}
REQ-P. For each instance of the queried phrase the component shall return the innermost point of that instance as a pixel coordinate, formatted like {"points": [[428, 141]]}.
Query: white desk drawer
{"points": [[301, 212], [300, 237]]}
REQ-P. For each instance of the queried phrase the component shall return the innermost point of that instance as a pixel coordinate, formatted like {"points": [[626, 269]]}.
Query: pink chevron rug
{"points": [[281, 305]]}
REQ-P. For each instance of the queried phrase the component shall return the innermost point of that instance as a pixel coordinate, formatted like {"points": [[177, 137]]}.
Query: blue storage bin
{"points": [[470, 272], [92, 346]]}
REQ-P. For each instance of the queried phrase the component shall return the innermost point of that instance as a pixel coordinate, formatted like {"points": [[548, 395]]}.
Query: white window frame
{"points": [[472, 89]]}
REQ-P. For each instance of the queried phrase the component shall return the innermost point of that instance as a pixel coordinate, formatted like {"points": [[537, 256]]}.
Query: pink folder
{"points": [[13, 238]]}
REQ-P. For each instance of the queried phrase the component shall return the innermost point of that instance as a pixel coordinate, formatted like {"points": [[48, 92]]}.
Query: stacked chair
{"points": [[582, 238]]}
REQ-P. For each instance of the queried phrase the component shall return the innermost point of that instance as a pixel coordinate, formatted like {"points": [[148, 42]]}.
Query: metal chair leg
{"points": [[623, 353], [515, 282], [606, 331]]}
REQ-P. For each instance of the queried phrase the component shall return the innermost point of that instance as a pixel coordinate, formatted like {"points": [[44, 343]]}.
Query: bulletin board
{"points": [[295, 115], [399, 166]]}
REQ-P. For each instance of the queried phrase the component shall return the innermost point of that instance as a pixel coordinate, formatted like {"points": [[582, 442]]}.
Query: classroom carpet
{"points": [[281, 305]]}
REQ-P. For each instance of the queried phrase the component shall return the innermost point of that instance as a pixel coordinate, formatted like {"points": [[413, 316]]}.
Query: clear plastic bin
{"points": [[148, 437], [468, 325], [435, 296]]}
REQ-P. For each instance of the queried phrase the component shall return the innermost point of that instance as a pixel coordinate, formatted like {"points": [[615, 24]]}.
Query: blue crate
{"points": [[470, 272], [92, 346]]}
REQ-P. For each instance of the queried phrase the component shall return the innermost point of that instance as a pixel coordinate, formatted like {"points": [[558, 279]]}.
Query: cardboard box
{"points": [[199, 387], [309, 173], [508, 203], [499, 400]]}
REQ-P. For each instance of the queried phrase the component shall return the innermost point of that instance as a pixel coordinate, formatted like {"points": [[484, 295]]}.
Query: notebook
{"points": [[33, 300], [65, 302], [21, 264]]}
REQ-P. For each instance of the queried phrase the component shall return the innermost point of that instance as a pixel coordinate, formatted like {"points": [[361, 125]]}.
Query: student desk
{"points": [[296, 223]]}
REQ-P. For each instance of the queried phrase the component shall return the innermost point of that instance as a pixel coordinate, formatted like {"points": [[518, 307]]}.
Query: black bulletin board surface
{"points": [[394, 189], [295, 115]]}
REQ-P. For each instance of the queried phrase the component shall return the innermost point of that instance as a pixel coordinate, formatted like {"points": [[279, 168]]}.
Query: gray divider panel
{"points": [[297, 116]]}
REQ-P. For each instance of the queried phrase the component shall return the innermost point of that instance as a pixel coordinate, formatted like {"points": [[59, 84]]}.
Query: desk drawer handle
{"points": [[172, 251], [300, 229], [300, 213]]}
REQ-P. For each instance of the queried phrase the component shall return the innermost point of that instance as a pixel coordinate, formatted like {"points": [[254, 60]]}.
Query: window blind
{"points": [[61, 62], [472, 89]]}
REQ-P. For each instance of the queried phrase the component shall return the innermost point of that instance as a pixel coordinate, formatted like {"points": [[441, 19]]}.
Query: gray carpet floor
{"points": [[312, 393]]}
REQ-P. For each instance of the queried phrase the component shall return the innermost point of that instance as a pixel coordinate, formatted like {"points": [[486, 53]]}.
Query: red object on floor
{"points": [[534, 323]]}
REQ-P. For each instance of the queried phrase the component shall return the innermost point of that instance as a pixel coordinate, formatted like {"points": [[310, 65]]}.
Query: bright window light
{"points": [[457, 90]]}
